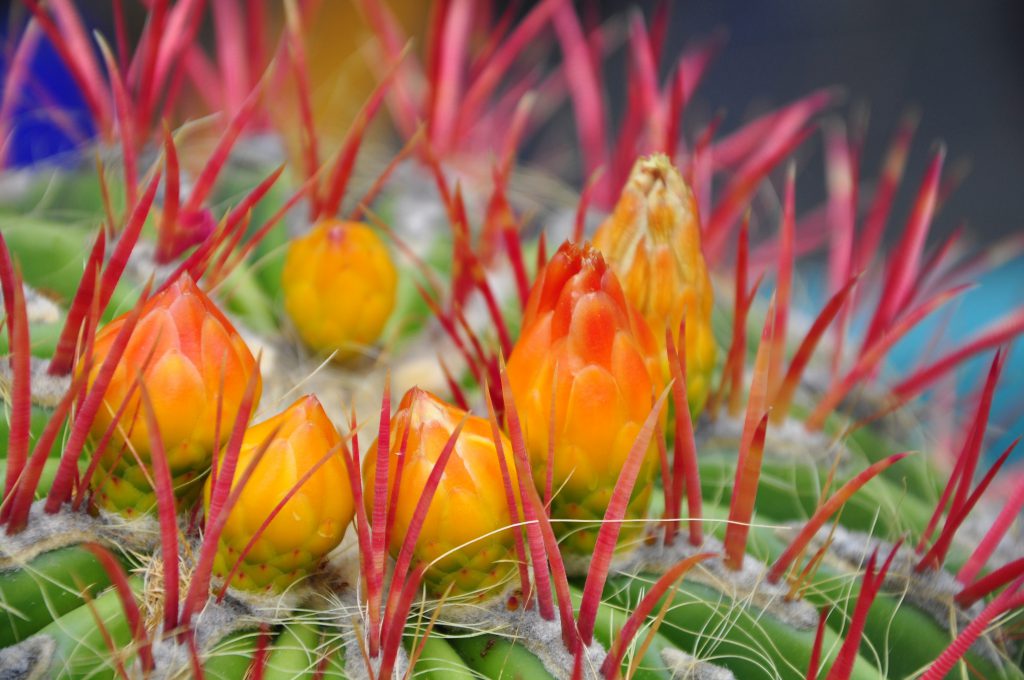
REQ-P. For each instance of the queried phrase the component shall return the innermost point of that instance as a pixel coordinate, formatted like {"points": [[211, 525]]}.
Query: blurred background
{"points": [[960, 64]]}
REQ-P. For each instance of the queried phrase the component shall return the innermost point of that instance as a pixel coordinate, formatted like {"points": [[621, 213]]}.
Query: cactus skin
{"points": [[196, 354], [339, 288], [652, 243], [310, 524], [469, 509], [586, 347]]}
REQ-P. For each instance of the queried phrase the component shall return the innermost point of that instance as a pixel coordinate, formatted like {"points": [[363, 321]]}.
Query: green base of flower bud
{"points": [[578, 535], [274, 574], [127, 490]]}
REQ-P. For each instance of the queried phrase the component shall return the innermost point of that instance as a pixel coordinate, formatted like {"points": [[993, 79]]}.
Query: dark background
{"points": [[961, 64]]}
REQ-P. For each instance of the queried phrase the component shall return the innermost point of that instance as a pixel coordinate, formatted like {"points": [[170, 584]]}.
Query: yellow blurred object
{"points": [[189, 356], [310, 524], [344, 67], [652, 242], [339, 287], [584, 347], [464, 538]]}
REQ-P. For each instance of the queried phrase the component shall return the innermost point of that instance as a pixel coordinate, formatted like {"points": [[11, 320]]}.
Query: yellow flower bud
{"points": [[188, 356], [339, 287], [464, 538], [314, 519], [652, 242], [585, 347]]}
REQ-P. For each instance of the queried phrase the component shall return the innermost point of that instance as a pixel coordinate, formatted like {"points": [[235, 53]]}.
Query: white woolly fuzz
{"points": [[45, 532], [47, 390], [748, 584], [686, 667], [932, 591]]}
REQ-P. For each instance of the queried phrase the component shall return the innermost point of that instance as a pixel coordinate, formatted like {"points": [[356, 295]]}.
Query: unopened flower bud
{"points": [[584, 348], [310, 524], [339, 288], [465, 537], [652, 242], [193, 365]]}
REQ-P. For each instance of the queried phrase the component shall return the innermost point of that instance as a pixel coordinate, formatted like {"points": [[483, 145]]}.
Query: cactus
{"points": [[577, 482]]}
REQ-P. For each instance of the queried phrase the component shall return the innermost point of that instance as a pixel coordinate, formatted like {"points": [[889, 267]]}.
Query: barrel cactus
{"points": [[624, 448]]}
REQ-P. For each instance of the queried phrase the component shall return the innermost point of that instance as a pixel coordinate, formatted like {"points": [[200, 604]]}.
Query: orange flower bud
{"points": [[188, 356], [652, 242], [462, 537], [310, 524], [339, 287], [585, 347]]}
